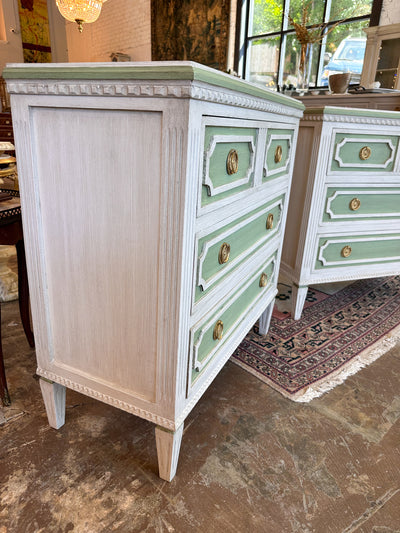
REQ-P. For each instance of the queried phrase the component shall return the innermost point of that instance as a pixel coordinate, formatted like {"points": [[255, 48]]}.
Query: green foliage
{"points": [[267, 15]]}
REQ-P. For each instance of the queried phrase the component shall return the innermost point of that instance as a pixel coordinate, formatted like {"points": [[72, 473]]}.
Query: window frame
{"points": [[243, 39]]}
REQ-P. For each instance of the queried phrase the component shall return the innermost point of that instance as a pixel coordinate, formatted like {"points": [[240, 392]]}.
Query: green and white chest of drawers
{"points": [[344, 213], [154, 203]]}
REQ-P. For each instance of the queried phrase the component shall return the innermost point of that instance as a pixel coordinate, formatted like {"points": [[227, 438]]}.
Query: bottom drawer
{"points": [[209, 337], [334, 251]]}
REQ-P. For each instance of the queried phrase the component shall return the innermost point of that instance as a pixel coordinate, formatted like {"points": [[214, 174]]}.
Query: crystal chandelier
{"points": [[80, 11]]}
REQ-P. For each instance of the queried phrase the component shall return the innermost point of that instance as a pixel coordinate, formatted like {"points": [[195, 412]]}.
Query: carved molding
{"points": [[155, 90], [142, 413], [352, 119]]}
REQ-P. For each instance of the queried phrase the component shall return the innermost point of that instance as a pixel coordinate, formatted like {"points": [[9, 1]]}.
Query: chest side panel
{"points": [[98, 178]]}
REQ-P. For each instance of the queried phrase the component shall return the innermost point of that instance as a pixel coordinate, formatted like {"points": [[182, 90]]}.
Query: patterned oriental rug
{"points": [[342, 329]]}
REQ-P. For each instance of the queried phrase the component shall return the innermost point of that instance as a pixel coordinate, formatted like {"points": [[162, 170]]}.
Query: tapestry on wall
{"points": [[190, 30], [35, 33]]}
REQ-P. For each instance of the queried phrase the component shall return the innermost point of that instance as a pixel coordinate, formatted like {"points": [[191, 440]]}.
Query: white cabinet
{"points": [[344, 212], [154, 200], [382, 56]]}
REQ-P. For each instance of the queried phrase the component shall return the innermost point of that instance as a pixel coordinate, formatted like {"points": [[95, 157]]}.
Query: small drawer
{"points": [[364, 153], [220, 252], [361, 203], [336, 251], [208, 337], [228, 166], [278, 153]]}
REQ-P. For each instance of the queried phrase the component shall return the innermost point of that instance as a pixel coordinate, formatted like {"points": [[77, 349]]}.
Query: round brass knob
{"points": [[278, 154], [346, 251], [232, 162], [263, 280], [224, 252], [365, 153], [270, 221], [355, 204], [218, 330]]}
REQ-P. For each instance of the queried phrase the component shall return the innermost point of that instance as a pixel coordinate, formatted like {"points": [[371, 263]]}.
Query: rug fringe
{"points": [[316, 390], [352, 367]]}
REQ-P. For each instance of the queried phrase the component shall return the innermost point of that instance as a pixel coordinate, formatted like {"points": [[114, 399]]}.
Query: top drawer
{"points": [[229, 158], [278, 153], [353, 152]]}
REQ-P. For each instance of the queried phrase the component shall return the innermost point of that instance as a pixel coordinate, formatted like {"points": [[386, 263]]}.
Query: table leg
{"points": [[23, 290], [4, 395]]}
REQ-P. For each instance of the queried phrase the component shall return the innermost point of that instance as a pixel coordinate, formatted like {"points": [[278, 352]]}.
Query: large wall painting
{"points": [[192, 30], [35, 33]]}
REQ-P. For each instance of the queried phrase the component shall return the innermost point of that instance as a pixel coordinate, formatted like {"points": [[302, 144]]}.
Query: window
{"points": [[269, 48]]}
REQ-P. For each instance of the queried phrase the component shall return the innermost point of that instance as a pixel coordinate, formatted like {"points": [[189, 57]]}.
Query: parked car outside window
{"points": [[349, 57]]}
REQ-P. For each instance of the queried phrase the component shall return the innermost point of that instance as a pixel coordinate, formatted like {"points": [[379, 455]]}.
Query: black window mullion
{"points": [[285, 31]]}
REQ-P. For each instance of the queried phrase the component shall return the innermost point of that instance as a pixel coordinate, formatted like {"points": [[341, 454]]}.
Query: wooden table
{"points": [[11, 234]]}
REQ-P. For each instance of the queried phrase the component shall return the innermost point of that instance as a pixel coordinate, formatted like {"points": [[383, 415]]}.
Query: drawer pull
{"points": [[355, 204], [278, 154], [7, 122], [263, 280], [218, 330], [232, 162], [270, 221], [365, 153], [346, 251], [224, 252]]}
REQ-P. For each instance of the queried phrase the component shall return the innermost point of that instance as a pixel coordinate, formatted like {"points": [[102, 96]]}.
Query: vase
{"points": [[304, 67]]}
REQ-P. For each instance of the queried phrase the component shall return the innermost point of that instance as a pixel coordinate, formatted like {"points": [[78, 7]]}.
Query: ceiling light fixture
{"points": [[80, 11]]}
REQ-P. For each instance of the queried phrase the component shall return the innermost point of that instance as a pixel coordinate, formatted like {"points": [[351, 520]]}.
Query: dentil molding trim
{"points": [[168, 90]]}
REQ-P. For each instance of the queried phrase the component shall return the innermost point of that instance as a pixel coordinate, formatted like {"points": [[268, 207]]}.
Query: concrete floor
{"points": [[251, 460]]}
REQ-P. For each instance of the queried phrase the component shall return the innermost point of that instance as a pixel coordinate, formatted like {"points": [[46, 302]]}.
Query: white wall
{"points": [[390, 12], [123, 26]]}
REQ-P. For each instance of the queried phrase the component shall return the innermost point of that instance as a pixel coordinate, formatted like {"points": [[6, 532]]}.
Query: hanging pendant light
{"points": [[80, 11]]}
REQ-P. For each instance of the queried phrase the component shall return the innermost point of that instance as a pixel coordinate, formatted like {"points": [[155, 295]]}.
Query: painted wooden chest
{"points": [[154, 201], [344, 214]]}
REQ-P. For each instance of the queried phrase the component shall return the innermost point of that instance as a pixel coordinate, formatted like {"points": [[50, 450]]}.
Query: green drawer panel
{"points": [[219, 141], [369, 203], [365, 153], [244, 236], [333, 251], [204, 346], [277, 153]]}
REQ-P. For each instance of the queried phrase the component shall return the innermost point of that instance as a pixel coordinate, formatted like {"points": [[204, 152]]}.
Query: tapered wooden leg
{"points": [[54, 401], [168, 446], [298, 298], [265, 319]]}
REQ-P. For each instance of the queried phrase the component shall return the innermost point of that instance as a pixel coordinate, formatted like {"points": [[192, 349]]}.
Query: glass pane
{"points": [[267, 16], [342, 9], [389, 54], [263, 57], [345, 49], [292, 52], [306, 12]]}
